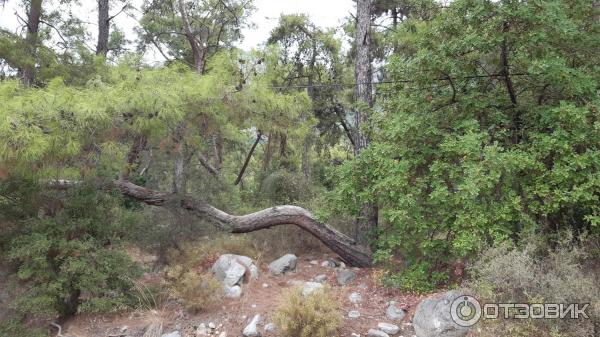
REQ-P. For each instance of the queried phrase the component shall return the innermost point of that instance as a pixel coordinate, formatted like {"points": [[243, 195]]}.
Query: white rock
{"points": [[394, 313], [251, 330], [283, 264], [311, 287], [270, 327], [355, 297], [320, 278], [253, 306], [212, 325], [172, 334], [388, 328], [354, 335], [264, 285], [376, 333], [314, 262], [353, 314], [223, 334], [233, 292]]}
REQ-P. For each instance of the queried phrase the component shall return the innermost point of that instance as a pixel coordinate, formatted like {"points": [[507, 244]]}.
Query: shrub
{"points": [[535, 272], [14, 328], [316, 315], [74, 262], [197, 291], [416, 278], [284, 187]]}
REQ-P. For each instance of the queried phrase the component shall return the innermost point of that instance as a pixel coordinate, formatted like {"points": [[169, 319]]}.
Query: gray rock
{"points": [[394, 313], [283, 264], [432, 317], [223, 334], [251, 330], [172, 334], [376, 333], [212, 325], [230, 269], [311, 287], [353, 314], [345, 276], [320, 278], [314, 262], [329, 263], [270, 327], [388, 328], [355, 297], [233, 292]]}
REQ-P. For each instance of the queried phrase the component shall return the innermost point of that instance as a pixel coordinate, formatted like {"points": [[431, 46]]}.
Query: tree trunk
{"points": [[198, 51], [367, 220], [179, 176], [103, 28], [31, 41], [352, 253]]}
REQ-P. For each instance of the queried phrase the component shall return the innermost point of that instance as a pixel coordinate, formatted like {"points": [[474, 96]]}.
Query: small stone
{"points": [[353, 314], [342, 265], [270, 327], [124, 328], [253, 306], [311, 287], [251, 330], [295, 283], [172, 334], [212, 325], [320, 278], [223, 334], [314, 262], [376, 333], [244, 317], [345, 277], [328, 263], [264, 285], [388, 328], [355, 297], [233, 292], [394, 313], [354, 335]]}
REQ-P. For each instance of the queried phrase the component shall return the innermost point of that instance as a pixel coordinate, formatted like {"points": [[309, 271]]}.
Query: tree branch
{"points": [[243, 169]]}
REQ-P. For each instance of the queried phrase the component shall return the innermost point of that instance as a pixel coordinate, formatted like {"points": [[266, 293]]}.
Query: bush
{"points": [[417, 278], [283, 187], [14, 328], [197, 291], [316, 315], [535, 272], [74, 262]]}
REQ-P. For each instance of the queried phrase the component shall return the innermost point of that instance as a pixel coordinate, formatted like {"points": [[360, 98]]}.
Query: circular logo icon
{"points": [[465, 310]]}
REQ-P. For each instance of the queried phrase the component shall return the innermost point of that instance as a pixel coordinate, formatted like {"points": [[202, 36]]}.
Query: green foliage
{"points": [[463, 159], [285, 187], [197, 291], [73, 262], [15, 328], [315, 315], [420, 277]]}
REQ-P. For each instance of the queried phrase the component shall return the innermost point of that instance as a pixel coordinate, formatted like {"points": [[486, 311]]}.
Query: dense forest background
{"points": [[447, 145]]}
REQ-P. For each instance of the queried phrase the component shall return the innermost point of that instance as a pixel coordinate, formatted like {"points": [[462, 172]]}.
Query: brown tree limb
{"points": [[243, 169]]}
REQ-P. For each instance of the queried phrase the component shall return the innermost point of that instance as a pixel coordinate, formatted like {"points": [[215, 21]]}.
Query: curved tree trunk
{"points": [[352, 253]]}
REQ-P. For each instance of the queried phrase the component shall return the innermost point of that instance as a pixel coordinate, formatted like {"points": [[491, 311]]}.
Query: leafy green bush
{"points": [[315, 315], [459, 162], [74, 262], [285, 187], [416, 278], [535, 272], [14, 328]]}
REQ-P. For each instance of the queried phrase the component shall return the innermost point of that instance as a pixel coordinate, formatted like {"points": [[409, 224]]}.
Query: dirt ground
{"points": [[232, 315]]}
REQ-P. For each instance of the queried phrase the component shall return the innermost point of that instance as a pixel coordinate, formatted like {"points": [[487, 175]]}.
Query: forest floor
{"points": [[260, 296]]}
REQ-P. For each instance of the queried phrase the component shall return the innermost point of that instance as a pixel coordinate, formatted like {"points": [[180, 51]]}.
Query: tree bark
{"points": [[31, 41], [366, 223], [103, 28], [352, 253], [198, 51], [241, 174]]}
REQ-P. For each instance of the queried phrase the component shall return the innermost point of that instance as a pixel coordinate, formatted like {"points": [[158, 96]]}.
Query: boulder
{"points": [[388, 328], [394, 313], [345, 276], [283, 264], [432, 317], [251, 330], [230, 269], [311, 287], [376, 333]]}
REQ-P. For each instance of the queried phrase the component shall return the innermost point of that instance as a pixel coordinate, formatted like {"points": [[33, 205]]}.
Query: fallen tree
{"points": [[346, 247]]}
